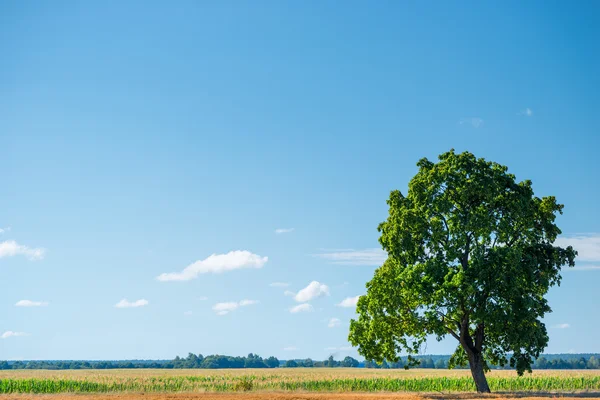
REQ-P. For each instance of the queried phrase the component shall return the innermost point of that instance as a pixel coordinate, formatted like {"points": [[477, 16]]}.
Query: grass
{"points": [[309, 380]]}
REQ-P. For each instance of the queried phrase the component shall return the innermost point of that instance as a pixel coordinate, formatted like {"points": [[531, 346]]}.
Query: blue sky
{"points": [[141, 138]]}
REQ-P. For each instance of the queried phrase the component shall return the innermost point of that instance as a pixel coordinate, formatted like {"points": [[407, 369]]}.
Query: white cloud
{"points": [[4, 230], [226, 307], [30, 303], [11, 248], [333, 322], [202, 298], [312, 291], [343, 348], [528, 112], [279, 284], [290, 348], [289, 293], [475, 122], [229, 306], [587, 246], [131, 304], [301, 308], [216, 263], [280, 231], [348, 302], [583, 267], [369, 257], [562, 326], [8, 334]]}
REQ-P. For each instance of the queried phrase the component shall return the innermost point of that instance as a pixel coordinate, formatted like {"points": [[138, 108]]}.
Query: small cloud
{"points": [[129, 304], [225, 307], [30, 303], [11, 248], [562, 326], [290, 348], [475, 122], [8, 334], [229, 306], [584, 267], [367, 257], [343, 348], [312, 291], [215, 264], [187, 313], [4, 230], [281, 231], [333, 322], [348, 302], [202, 298], [301, 308], [528, 112], [587, 246], [279, 284]]}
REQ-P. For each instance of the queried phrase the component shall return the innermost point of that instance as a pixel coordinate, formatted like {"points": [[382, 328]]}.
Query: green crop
{"points": [[228, 383]]}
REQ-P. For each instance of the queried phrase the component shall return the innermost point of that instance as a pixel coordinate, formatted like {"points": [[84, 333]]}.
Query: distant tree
{"points": [[349, 362], [290, 364], [441, 364], [470, 255], [254, 361], [541, 363], [330, 362], [272, 362], [308, 363]]}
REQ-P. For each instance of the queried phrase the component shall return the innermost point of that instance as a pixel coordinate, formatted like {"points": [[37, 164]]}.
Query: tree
{"points": [[470, 255], [308, 363], [349, 362], [291, 364], [330, 362], [272, 362]]}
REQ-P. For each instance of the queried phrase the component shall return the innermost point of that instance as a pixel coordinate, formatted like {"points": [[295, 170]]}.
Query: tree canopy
{"points": [[470, 255]]}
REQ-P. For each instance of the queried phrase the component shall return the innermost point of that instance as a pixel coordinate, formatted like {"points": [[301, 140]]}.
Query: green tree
{"points": [[272, 362], [308, 363], [330, 362], [470, 255], [349, 362]]}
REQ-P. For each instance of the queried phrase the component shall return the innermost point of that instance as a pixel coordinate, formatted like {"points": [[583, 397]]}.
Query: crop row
{"points": [[191, 384]]}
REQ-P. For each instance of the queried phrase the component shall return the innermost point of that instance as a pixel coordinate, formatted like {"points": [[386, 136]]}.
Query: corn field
{"points": [[217, 382]]}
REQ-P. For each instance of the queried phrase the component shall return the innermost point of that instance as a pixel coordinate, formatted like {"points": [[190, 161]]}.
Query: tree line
{"points": [[216, 361], [551, 361]]}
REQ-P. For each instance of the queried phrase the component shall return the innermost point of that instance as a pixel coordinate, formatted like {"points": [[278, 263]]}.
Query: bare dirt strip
{"points": [[301, 396]]}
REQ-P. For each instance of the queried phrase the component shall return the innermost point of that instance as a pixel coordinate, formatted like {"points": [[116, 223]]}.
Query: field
{"points": [[292, 384]]}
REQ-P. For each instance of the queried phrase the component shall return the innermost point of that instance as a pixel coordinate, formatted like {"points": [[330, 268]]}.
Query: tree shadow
{"points": [[512, 395]]}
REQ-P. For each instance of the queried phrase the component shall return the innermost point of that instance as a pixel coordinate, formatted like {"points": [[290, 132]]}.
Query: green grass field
{"points": [[311, 380]]}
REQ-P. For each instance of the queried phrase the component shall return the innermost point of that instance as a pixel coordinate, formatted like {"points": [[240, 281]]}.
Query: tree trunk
{"points": [[476, 363]]}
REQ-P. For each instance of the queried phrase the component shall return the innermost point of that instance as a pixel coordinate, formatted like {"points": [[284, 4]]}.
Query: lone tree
{"points": [[470, 255]]}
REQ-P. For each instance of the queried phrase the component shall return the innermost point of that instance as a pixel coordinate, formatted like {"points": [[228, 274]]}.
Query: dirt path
{"points": [[297, 396]]}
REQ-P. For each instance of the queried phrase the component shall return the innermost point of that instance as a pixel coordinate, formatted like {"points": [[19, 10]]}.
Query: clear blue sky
{"points": [[139, 137]]}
